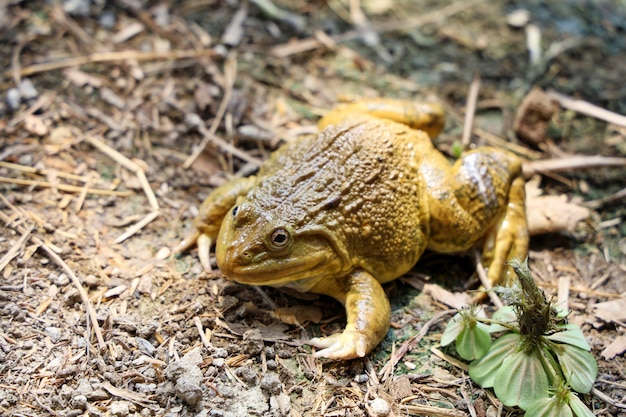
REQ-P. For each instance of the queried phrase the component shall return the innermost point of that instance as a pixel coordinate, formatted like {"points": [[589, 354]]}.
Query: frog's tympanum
{"points": [[353, 207]]}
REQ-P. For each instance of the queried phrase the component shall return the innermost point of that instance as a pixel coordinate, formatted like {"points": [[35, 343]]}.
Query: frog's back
{"points": [[358, 184]]}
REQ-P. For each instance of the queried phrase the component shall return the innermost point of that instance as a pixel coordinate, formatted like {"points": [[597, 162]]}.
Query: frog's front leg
{"points": [[368, 316], [207, 223], [479, 201]]}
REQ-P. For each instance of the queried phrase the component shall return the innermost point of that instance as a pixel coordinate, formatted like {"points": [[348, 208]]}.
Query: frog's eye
{"points": [[235, 210], [280, 238]]}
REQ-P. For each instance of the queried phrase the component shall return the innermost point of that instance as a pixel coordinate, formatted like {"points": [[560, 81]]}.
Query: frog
{"points": [[343, 211]]}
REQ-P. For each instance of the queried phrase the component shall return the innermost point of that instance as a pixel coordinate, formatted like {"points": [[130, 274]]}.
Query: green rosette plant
{"points": [[538, 362]]}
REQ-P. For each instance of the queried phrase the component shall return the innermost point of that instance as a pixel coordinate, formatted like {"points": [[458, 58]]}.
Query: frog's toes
{"points": [[204, 247], [342, 346]]}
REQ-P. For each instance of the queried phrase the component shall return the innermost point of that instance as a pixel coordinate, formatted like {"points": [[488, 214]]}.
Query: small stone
{"points": [[219, 362], [247, 375], [216, 413], [84, 388], [271, 383], [361, 379], [13, 98], [79, 401], [27, 89], [98, 395], [220, 353], [145, 346], [119, 408], [518, 18], [379, 408]]}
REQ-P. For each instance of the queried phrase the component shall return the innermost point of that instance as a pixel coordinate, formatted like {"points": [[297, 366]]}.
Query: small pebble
{"points": [[119, 408], [247, 375], [107, 19], [361, 379], [271, 384], [28, 90], [220, 353], [518, 18], [145, 346], [13, 98], [79, 401], [379, 408]]}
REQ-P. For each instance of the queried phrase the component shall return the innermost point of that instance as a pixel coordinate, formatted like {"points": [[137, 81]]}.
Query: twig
{"points": [[429, 410], [584, 107], [43, 171], [571, 163], [205, 341], [470, 111], [137, 226], [482, 275], [230, 73], [12, 253], [594, 204], [64, 187], [413, 341], [110, 56], [145, 185]]}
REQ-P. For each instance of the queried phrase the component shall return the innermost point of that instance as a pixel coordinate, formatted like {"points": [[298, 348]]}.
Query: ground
{"points": [[114, 98]]}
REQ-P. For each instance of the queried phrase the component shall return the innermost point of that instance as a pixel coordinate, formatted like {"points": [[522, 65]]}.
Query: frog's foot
{"points": [[349, 344], [367, 313], [203, 242]]}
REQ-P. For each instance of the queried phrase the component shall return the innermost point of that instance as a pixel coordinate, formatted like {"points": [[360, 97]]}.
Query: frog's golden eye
{"points": [[280, 238], [235, 210]]}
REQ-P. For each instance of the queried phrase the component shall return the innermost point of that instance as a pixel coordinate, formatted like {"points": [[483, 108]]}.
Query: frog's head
{"points": [[262, 246]]}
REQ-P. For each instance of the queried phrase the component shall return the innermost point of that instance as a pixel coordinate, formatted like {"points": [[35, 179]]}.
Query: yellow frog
{"points": [[348, 209]]}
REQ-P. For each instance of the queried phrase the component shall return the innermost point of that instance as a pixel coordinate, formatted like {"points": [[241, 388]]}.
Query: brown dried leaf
{"points": [[551, 213], [609, 311], [617, 347]]}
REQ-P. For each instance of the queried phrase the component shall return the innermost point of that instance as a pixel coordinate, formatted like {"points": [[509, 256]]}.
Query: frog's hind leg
{"points": [[479, 202], [507, 239]]}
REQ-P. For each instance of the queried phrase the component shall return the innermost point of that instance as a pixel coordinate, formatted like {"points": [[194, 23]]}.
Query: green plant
{"points": [[537, 361]]}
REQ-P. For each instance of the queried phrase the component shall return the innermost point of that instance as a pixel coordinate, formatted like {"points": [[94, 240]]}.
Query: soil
{"points": [[103, 103]]}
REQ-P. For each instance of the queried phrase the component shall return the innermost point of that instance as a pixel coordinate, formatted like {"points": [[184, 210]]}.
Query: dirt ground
{"points": [[103, 104]]}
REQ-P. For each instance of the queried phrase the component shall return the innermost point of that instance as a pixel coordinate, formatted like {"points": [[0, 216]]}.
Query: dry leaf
{"points": [[617, 347], [609, 311], [551, 213]]}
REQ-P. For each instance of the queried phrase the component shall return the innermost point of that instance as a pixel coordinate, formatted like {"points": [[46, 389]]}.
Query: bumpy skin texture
{"points": [[355, 206]]}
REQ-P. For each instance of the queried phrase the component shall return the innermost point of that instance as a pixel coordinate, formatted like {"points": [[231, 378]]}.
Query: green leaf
{"points": [[473, 341], [548, 407], [579, 367], [483, 370], [578, 407], [572, 335], [506, 315], [454, 327], [521, 380]]}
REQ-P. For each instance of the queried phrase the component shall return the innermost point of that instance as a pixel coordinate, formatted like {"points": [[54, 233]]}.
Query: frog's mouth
{"points": [[310, 260]]}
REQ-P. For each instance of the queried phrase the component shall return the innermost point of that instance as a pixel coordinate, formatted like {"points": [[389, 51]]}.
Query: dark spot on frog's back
{"points": [[332, 202]]}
